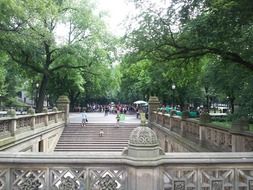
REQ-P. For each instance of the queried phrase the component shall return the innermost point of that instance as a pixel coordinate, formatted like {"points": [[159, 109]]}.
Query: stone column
{"points": [[153, 104], [63, 105]]}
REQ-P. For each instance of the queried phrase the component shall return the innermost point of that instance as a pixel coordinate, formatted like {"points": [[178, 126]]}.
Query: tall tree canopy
{"points": [[193, 29], [30, 32]]}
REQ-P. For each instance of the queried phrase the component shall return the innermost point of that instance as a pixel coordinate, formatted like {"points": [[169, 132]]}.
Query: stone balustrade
{"points": [[10, 126], [217, 138], [96, 171], [15, 129]]}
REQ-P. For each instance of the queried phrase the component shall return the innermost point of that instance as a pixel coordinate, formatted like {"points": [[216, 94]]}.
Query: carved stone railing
{"points": [[205, 134], [96, 171], [13, 129]]}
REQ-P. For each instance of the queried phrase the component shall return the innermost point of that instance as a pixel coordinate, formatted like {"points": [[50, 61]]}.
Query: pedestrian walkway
{"points": [[97, 117]]}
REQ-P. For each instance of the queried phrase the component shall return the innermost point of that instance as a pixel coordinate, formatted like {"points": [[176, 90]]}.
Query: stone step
{"points": [[77, 138], [88, 150]]}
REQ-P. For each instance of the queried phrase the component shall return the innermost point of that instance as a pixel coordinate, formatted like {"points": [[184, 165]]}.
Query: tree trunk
{"points": [[42, 93], [207, 103], [232, 103]]}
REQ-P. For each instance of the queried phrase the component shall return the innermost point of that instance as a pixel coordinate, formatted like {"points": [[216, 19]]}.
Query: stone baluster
{"points": [[238, 143], [56, 114], [183, 125], [202, 134], [153, 105], [63, 105], [31, 112], [45, 110], [13, 127]]}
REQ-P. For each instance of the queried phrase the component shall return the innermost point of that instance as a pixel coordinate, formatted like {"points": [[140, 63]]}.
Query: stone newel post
{"points": [[153, 104], [143, 146], [63, 105]]}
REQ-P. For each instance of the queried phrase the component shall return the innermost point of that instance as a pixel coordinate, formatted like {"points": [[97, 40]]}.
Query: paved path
{"points": [[96, 117]]}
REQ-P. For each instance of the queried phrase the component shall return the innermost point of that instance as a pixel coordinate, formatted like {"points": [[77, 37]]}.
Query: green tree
{"points": [[193, 29], [28, 35]]}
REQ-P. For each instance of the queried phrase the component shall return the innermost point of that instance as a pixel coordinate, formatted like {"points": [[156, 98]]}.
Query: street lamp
{"points": [[36, 95], [227, 104], [47, 100], [173, 87]]}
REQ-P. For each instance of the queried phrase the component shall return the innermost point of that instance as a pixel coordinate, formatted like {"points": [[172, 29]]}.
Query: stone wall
{"points": [[95, 171]]}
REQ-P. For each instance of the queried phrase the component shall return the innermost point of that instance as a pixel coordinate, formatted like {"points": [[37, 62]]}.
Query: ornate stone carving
{"points": [[30, 183], [250, 184], [143, 136], [1, 184], [107, 183], [67, 178], [179, 185], [218, 179], [107, 179], [23, 122], [68, 184], [217, 185], [180, 179], [4, 126]]}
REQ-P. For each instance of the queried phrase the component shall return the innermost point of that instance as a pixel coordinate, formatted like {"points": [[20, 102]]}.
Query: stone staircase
{"points": [[87, 139]]}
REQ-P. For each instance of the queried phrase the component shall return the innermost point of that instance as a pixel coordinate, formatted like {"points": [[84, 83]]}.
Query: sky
{"points": [[117, 12]]}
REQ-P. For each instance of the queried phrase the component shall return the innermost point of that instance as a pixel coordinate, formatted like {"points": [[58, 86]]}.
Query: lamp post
{"points": [[173, 87], [47, 100], [227, 104], [36, 94]]}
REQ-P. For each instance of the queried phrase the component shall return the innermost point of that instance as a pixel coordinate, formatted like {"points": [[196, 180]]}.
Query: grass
{"points": [[227, 125]]}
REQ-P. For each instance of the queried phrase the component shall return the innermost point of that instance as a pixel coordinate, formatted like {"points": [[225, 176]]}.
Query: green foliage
{"points": [[29, 36]]}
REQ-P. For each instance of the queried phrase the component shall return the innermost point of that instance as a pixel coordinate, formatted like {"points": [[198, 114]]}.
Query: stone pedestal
{"points": [[238, 143], [63, 105], [153, 105], [182, 127], [143, 145], [202, 134]]}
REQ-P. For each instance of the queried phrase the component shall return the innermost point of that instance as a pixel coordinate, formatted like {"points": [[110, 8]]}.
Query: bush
{"points": [[185, 114], [173, 112], [205, 117]]}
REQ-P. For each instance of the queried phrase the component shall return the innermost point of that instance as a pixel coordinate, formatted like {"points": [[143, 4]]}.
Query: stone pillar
{"points": [[153, 104], [13, 126], [182, 127], [31, 112], [33, 122], [143, 145], [45, 110], [238, 144], [202, 134], [63, 105], [171, 122], [56, 114]]}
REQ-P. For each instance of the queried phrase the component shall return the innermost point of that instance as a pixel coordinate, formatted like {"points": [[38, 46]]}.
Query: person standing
{"points": [[84, 119]]}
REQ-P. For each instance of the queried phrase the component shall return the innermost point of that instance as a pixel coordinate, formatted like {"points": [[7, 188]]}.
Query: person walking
{"points": [[84, 119], [117, 120]]}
